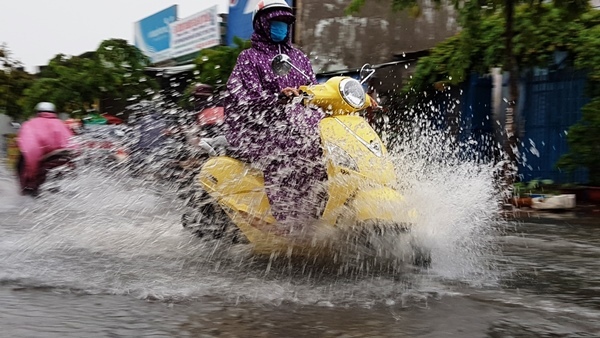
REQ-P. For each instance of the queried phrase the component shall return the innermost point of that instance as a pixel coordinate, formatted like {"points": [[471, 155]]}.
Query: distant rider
{"points": [[282, 139], [151, 128], [38, 137], [209, 110]]}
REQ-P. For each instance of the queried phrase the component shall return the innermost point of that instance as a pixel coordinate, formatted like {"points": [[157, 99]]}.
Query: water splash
{"points": [[457, 200], [105, 231]]}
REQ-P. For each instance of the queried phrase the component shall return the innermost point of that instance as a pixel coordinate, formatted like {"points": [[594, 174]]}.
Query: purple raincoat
{"points": [[283, 140]]}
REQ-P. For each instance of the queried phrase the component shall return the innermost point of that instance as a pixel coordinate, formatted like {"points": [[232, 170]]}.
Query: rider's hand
{"points": [[374, 103], [287, 94], [290, 92], [372, 110]]}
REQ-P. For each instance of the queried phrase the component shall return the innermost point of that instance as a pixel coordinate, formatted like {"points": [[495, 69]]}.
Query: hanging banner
{"points": [[152, 35], [194, 33], [239, 20]]}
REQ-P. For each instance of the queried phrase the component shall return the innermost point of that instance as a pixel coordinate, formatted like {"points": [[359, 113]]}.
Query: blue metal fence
{"points": [[466, 111], [476, 122], [552, 102]]}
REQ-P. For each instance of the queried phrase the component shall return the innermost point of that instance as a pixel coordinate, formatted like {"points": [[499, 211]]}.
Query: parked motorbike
{"points": [[361, 207], [104, 145]]}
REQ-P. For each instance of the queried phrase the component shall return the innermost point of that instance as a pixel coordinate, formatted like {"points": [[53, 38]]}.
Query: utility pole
{"points": [[510, 145]]}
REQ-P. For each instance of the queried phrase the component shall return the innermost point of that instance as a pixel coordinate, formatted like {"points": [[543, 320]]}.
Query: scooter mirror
{"points": [[281, 64], [366, 72]]}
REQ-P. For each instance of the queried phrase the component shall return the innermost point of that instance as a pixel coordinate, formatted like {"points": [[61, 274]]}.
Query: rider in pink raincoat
{"points": [[38, 137]]}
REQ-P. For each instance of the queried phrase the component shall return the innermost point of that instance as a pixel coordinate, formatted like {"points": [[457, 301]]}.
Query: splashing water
{"points": [[457, 201], [106, 232]]}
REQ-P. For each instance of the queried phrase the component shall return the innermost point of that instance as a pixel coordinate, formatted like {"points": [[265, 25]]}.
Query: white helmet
{"points": [[270, 4], [45, 107]]}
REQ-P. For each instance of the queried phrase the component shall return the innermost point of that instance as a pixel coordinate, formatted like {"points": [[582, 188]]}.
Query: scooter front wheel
{"points": [[209, 221], [421, 256]]}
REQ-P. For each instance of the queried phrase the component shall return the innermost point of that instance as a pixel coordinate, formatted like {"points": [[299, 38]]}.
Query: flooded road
{"points": [[107, 257]]}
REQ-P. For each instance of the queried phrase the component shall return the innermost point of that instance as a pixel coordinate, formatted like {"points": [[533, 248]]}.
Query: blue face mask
{"points": [[279, 31]]}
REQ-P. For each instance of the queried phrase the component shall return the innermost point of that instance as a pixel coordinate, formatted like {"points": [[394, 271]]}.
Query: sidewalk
{"points": [[591, 212]]}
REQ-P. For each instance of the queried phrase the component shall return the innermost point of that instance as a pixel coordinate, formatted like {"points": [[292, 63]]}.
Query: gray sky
{"points": [[36, 30]]}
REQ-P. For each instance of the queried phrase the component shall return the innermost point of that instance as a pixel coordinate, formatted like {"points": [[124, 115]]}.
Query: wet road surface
{"points": [[108, 258]]}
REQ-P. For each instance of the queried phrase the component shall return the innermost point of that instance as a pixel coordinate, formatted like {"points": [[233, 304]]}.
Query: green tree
{"points": [[120, 71], [115, 71], [14, 80], [473, 42], [584, 143], [214, 66], [44, 89], [68, 82], [539, 34], [584, 136], [586, 49]]}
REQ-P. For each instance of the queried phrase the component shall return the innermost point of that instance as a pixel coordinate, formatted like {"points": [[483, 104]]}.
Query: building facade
{"points": [[334, 40]]}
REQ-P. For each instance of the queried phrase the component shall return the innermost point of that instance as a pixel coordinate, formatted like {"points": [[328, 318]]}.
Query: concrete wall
{"points": [[5, 128], [335, 41]]}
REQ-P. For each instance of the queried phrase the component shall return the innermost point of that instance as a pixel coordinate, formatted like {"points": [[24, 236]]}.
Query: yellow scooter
{"points": [[361, 204]]}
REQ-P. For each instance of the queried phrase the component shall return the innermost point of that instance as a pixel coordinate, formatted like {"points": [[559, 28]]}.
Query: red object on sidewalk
{"points": [[110, 119]]}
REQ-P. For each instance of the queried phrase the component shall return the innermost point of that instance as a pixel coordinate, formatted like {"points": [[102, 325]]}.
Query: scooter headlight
{"points": [[340, 157], [353, 93]]}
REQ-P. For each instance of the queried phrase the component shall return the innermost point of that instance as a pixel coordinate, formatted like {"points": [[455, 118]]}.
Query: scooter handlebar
{"points": [[284, 99]]}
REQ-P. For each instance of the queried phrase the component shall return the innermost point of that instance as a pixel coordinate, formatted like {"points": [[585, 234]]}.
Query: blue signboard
{"points": [[239, 20], [152, 34]]}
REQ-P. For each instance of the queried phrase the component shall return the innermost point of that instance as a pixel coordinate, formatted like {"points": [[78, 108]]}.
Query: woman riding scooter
{"points": [[40, 140], [281, 139]]}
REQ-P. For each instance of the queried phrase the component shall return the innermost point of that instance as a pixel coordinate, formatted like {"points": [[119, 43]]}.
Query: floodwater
{"points": [[106, 257]]}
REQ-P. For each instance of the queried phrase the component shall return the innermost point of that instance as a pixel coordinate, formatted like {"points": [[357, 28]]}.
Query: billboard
{"points": [[152, 34], [196, 32], [239, 20]]}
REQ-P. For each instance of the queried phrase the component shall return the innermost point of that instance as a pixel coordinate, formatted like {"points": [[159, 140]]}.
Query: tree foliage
{"points": [[66, 82], [540, 29], [584, 143], [74, 83], [539, 32], [584, 136], [216, 64], [121, 70], [14, 80], [586, 49]]}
